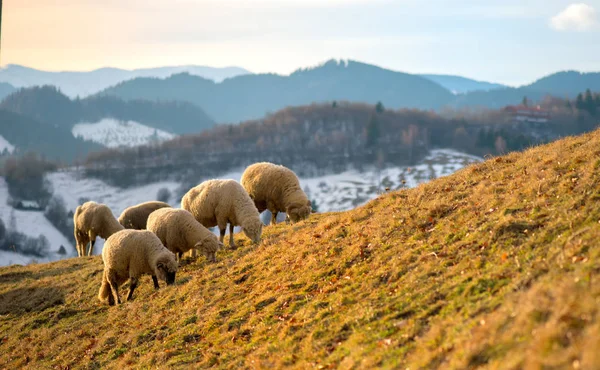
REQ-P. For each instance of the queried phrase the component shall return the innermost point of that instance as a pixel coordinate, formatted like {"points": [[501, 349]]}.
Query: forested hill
{"points": [[48, 105], [27, 134], [248, 97]]}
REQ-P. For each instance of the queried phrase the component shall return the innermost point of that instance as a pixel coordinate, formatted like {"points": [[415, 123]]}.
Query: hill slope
{"points": [[48, 104], [496, 266], [252, 96], [86, 83], [569, 83], [54, 143], [461, 85]]}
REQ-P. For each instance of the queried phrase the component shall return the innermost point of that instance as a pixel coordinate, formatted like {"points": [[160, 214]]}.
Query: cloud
{"points": [[576, 17]]}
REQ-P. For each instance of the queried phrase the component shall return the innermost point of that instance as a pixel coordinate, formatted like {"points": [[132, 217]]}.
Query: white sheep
{"points": [[179, 231], [276, 188], [135, 217], [129, 254], [93, 219], [219, 202]]}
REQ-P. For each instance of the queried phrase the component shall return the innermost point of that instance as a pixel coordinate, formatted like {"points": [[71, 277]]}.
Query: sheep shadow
{"points": [[32, 299]]}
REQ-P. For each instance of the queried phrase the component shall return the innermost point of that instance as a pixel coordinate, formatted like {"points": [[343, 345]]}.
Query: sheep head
{"points": [[299, 211], [253, 230], [209, 247], [166, 267]]}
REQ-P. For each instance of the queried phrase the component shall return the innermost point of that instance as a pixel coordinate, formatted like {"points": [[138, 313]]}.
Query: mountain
{"points": [[83, 84], [55, 143], [568, 83], [253, 96], [495, 266], [48, 104], [461, 85], [6, 89]]}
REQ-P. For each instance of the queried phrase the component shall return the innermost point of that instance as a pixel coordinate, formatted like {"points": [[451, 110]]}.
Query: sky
{"points": [[507, 41]]}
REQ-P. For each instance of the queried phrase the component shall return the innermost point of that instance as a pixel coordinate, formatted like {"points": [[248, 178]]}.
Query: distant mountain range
{"points": [[462, 85], [83, 84], [252, 96]]}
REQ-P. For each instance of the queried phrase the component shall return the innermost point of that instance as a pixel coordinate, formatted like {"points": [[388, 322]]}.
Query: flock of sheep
{"points": [[150, 238]]}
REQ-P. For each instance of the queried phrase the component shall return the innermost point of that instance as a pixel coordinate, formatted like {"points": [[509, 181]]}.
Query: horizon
{"points": [[287, 74], [267, 36]]}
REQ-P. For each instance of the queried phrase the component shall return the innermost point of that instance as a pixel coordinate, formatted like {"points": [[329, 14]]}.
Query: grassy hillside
{"points": [[496, 266]]}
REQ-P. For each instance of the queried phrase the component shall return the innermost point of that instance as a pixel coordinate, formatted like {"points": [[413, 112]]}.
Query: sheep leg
{"points": [[114, 286], [155, 281], [231, 242], [274, 217], [132, 285], [222, 231], [92, 242]]}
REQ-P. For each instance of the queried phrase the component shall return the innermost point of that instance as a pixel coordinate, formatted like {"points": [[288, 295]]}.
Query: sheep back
{"points": [[97, 218], [275, 187], [136, 217], [179, 232], [132, 253]]}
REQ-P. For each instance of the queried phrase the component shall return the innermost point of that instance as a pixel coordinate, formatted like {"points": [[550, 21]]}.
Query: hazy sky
{"points": [[509, 41]]}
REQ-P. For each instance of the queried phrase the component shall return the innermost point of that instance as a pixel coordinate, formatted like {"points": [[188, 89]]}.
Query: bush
{"points": [[56, 213], [163, 195], [15, 241], [2, 229], [25, 178]]}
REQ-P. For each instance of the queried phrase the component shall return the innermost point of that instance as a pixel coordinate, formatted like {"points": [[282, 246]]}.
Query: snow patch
{"points": [[5, 145], [113, 133], [32, 224], [350, 189]]}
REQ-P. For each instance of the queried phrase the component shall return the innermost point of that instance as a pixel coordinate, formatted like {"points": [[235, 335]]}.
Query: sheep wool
{"points": [[276, 188], [136, 217], [219, 202], [127, 255], [179, 231], [90, 220]]}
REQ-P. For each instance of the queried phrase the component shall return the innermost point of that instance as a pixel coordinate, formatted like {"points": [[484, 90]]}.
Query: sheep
{"points": [[93, 219], [276, 188], [179, 231], [135, 217], [129, 254], [218, 202]]}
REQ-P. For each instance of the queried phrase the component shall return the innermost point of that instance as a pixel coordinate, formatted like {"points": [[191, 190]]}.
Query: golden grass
{"points": [[495, 267]]}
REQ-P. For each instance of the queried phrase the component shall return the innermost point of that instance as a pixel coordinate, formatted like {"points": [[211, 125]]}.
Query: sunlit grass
{"points": [[496, 266]]}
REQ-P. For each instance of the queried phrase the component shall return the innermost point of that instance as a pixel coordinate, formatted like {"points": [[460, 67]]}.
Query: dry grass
{"points": [[494, 267]]}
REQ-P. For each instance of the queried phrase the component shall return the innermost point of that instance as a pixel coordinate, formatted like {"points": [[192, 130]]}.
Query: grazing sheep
{"points": [[93, 219], [129, 254], [218, 202], [135, 217], [179, 231], [277, 189]]}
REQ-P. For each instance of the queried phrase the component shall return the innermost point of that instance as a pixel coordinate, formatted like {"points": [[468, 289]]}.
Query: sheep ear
{"points": [[160, 265], [308, 203]]}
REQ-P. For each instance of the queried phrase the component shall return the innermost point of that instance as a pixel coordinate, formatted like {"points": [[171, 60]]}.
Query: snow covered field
{"points": [[113, 133], [32, 224], [347, 190], [336, 192]]}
